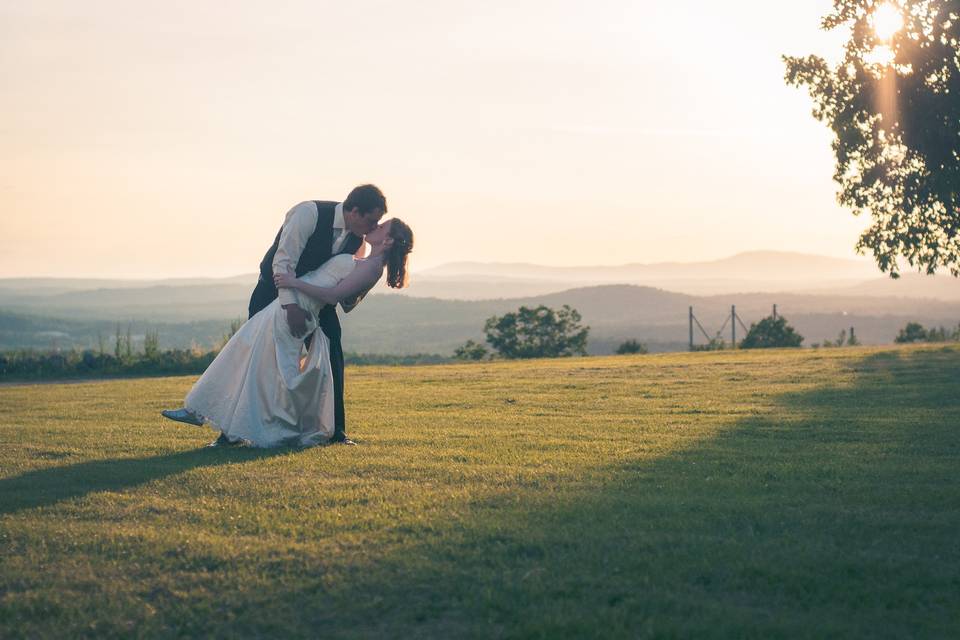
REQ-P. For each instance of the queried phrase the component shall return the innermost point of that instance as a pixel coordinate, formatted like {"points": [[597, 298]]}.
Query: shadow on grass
{"points": [[48, 486], [833, 515]]}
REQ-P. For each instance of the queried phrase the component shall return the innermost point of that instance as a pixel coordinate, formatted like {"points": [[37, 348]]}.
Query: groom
{"points": [[312, 233]]}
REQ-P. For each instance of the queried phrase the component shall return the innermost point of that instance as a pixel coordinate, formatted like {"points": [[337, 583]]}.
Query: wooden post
{"points": [[774, 312], [691, 328]]}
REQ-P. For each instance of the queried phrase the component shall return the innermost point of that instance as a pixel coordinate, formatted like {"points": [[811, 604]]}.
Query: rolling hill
{"points": [[821, 297]]}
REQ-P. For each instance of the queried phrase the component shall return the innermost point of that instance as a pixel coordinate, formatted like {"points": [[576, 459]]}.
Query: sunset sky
{"points": [[156, 139]]}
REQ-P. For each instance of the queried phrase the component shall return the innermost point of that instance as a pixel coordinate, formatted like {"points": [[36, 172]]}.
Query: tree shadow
{"points": [[45, 487], [833, 514]]}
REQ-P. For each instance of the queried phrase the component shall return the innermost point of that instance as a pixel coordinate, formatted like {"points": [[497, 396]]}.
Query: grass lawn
{"points": [[746, 494]]}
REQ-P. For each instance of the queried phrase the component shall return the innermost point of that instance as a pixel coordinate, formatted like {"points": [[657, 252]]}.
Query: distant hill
{"points": [[911, 285], [449, 304], [759, 266], [758, 272], [403, 325], [54, 286]]}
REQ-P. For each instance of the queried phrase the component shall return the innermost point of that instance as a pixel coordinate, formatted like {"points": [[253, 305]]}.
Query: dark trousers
{"points": [[263, 295]]}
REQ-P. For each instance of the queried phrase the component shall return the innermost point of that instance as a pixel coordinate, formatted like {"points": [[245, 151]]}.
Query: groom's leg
{"points": [[336, 364]]}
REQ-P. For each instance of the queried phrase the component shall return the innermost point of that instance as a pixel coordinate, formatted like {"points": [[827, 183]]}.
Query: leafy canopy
{"points": [[771, 332], [893, 104], [631, 346], [540, 332], [470, 350]]}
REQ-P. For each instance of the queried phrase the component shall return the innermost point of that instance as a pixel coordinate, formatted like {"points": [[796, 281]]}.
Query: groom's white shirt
{"points": [[298, 226]]}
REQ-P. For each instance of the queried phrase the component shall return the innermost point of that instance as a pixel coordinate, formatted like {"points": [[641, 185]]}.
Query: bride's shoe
{"points": [[182, 415]]}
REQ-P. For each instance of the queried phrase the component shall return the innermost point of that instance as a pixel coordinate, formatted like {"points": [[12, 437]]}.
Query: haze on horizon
{"points": [[168, 139]]}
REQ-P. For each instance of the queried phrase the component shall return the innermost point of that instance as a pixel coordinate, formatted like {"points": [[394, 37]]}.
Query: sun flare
{"points": [[887, 20]]}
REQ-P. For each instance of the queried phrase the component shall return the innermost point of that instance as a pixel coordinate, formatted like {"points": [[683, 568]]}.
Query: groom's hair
{"points": [[367, 198]]}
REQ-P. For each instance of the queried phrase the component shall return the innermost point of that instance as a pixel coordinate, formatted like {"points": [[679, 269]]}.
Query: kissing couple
{"points": [[279, 379]]}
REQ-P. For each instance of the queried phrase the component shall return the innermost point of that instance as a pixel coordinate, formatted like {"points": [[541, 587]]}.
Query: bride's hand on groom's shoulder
{"points": [[285, 280]]}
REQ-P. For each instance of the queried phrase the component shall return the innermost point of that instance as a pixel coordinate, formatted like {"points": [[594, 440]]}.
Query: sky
{"points": [[149, 139]]}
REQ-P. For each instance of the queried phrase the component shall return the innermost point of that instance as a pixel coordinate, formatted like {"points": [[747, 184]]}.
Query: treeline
{"points": [[386, 359], [120, 358], [27, 364], [916, 332]]}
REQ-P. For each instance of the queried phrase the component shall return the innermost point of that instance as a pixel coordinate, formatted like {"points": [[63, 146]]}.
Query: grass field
{"points": [[744, 494]]}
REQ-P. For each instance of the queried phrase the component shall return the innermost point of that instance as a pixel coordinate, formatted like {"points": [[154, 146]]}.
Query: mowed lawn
{"points": [[745, 494]]}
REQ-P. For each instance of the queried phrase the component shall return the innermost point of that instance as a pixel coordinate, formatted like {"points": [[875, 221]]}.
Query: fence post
{"points": [[774, 312], [691, 328], [733, 325]]}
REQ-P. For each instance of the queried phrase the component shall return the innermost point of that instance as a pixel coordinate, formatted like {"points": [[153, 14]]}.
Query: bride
{"points": [[261, 388]]}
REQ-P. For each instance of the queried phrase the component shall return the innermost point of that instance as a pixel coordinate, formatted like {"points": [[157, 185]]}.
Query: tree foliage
{"points": [[540, 332], [770, 333], [631, 346], [915, 332], [470, 350], [896, 125], [715, 344], [844, 339]]}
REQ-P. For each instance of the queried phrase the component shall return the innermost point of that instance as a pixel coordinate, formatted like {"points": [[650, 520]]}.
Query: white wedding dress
{"points": [[260, 388]]}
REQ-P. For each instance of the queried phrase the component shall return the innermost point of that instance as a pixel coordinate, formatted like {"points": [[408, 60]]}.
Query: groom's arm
{"points": [[299, 224], [362, 277]]}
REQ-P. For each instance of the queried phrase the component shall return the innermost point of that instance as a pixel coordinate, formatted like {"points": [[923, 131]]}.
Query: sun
{"points": [[887, 20]]}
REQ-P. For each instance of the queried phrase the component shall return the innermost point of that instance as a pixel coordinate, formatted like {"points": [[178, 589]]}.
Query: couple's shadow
{"points": [[45, 487]]}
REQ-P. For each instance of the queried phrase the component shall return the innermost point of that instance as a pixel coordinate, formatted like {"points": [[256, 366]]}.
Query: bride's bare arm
{"points": [[364, 275]]}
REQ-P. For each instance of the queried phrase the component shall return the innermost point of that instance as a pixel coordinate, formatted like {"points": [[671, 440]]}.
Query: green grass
{"points": [[745, 494]]}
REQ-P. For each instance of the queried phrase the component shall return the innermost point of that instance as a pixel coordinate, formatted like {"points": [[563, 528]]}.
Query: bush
{"points": [[470, 350], [715, 344], [631, 346], [913, 332], [771, 333]]}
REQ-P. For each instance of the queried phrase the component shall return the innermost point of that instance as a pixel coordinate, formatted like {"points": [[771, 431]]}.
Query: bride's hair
{"points": [[397, 253]]}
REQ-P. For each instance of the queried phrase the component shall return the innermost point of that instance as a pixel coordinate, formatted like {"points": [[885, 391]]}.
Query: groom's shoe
{"points": [[341, 438], [223, 441], [182, 415]]}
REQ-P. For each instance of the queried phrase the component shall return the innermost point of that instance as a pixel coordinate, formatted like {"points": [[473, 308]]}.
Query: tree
{"points": [[716, 344], [538, 333], [852, 339], [128, 345], [913, 332], [151, 345], [470, 350], [771, 332], [631, 346], [118, 343], [896, 125]]}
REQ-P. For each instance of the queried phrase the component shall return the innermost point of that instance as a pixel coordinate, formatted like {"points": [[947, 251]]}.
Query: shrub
{"points": [[913, 332], [631, 346], [470, 350], [770, 333]]}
